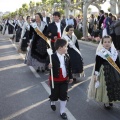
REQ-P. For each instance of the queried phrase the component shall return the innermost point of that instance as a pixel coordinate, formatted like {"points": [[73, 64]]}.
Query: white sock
{"points": [[106, 104], [52, 102], [62, 106]]}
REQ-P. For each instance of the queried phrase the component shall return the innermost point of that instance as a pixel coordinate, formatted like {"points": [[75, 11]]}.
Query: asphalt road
{"points": [[24, 93]]}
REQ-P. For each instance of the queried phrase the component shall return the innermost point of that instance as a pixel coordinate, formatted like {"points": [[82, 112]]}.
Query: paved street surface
{"points": [[24, 93]]}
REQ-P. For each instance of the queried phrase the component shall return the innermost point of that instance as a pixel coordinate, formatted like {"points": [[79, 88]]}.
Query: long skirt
{"points": [[10, 29], [109, 89], [18, 34], [30, 61], [23, 44], [76, 61]]}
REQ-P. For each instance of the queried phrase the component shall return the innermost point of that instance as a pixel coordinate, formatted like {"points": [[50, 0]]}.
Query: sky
{"points": [[104, 7], [12, 5]]}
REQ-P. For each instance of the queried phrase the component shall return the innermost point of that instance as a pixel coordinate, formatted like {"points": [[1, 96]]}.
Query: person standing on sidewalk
{"points": [[61, 74]]}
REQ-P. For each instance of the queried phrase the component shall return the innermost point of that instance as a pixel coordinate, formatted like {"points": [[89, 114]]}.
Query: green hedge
{"points": [[78, 34]]}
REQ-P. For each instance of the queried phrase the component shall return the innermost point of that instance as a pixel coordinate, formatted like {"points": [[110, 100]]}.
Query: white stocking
{"points": [[52, 102], [62, 106]]}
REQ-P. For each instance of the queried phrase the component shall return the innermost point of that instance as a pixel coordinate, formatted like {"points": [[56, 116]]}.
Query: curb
{"points": [[88, 43]]}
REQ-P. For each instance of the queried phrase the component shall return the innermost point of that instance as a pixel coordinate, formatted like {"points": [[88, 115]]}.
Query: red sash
{"points": [[60, 77], [58, 37]]}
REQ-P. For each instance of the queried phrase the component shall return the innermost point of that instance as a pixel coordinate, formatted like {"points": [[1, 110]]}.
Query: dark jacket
{"points": [[101, 19], [56, 66], [107, 23], [48, 20], [38, 45], [52, 28]]}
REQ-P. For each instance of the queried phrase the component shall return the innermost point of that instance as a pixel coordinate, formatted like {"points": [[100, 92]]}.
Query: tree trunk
{"points": [[113, 6], [85, 30], [118, 6], [66, 10]]}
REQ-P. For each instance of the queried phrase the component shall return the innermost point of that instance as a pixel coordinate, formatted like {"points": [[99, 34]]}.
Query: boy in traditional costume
{"points": [[61, 74]]}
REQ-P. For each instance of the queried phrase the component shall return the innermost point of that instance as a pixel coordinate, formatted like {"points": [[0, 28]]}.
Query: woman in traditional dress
{"points": [[37, 54], [10, 26], [19, 26], [1, 27], [74, 52], [105, 82], [5, 27], [23, 44]]}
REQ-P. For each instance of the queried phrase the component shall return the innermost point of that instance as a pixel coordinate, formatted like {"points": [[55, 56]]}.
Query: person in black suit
{"points": [[55, 29], [101, 19], [45, 18], [62, 75]]}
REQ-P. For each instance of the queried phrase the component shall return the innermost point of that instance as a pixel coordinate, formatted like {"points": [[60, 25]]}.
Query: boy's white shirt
{"points": [[58, 27], [62, 64]]}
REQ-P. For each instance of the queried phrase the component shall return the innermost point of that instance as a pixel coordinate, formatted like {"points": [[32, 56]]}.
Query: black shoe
{"points": [[68, 98], [53, 107], [111, 104], [43, 71], [74, 79], [37, 70], [63, 116], [107, 107]]}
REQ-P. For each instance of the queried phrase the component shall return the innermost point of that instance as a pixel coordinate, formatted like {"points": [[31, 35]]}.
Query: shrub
{"points": [[78, 34]]}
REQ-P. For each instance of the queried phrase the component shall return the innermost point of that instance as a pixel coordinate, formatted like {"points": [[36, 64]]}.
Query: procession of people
{"points": [[43, 39]]}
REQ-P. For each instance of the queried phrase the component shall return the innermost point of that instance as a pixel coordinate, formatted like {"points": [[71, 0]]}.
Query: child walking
{"points": [[105, 83], [62, 75]]}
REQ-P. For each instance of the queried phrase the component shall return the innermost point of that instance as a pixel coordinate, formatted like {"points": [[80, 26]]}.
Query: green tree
{"points": [[25, 8], [31, 8]]}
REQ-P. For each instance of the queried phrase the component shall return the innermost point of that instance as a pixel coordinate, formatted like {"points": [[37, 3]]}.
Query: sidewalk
{"points": [[88, 43]]}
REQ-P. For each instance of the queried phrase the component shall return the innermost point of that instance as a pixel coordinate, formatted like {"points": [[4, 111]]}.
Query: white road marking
{"points": [[89, 65], [47, 88], [34, 72], [31, 68], [24, 110]]}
